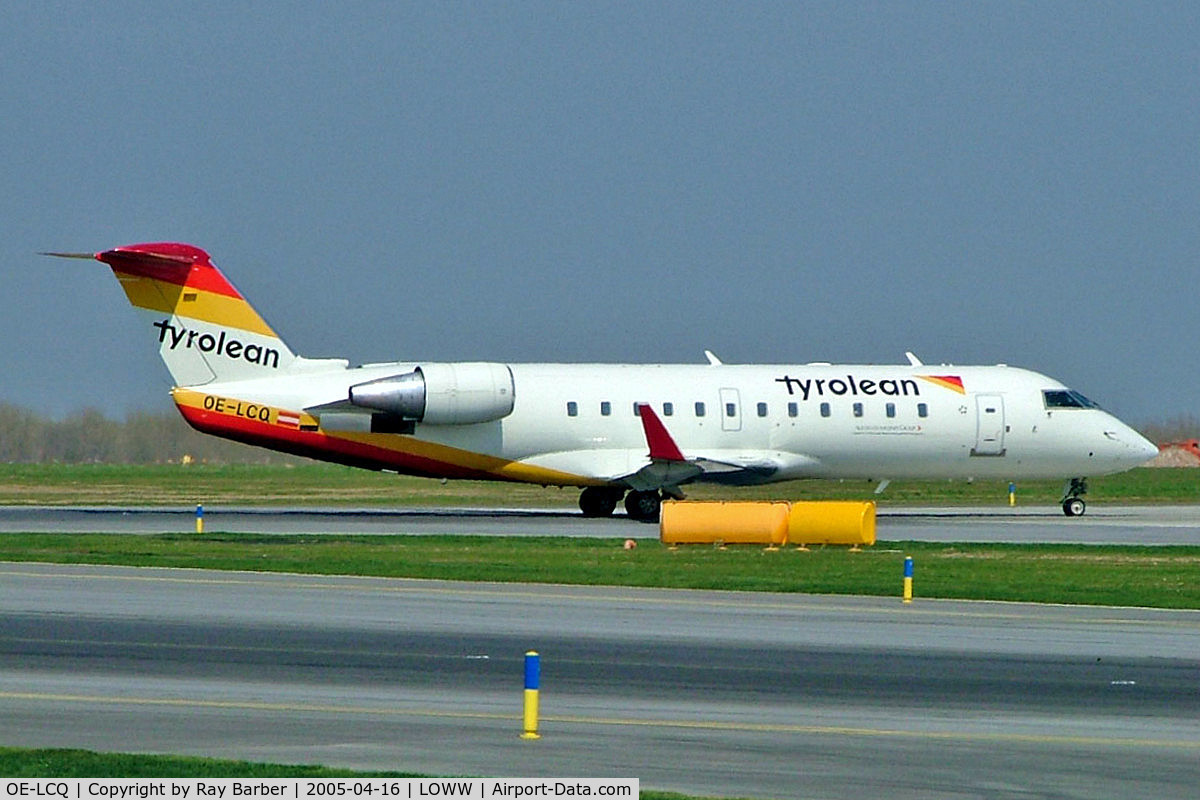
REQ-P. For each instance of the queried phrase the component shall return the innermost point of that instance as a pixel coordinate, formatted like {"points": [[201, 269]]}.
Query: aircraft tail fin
{"points": [[205, 329]]}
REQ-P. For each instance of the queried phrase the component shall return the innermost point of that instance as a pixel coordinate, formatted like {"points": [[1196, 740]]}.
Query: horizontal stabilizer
{"points": [[166, 261], [88, 256]]}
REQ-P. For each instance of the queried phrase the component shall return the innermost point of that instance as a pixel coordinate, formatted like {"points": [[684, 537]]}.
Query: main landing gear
{"points": [[643, 506], [1072, 504], [601, 501]]}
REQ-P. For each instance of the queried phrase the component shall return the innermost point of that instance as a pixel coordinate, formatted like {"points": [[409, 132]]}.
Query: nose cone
{"points": [[1145, 448], [1135, 449]]}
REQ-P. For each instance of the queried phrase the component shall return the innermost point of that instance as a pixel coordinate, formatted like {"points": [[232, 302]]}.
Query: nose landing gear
{"points": [[1072, 504]]}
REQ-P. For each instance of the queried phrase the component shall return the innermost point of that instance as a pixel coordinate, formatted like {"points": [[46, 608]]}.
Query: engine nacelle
{"points": [[442, 394]]}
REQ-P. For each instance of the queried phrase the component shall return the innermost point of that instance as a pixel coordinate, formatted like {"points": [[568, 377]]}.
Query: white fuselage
{"points": [[776, 422], [611, 428]]}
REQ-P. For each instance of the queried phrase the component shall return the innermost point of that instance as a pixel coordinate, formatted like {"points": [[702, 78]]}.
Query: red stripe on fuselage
{"points": [[314, 444]]}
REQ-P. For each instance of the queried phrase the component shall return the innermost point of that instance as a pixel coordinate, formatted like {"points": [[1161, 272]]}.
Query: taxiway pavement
{"points": [[1103, 524], [713, 693]]}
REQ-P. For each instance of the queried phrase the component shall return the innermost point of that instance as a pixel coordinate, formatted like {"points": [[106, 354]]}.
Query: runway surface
{"points": [[1101, 525], [753, 695]]}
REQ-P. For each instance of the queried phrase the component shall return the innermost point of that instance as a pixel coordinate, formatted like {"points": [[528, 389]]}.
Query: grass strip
{"points": [[328, 484], [1162, 577], [16, 762]]}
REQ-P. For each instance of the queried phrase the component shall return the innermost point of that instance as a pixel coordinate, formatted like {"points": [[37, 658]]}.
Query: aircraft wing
{"points": [[668, 467]]}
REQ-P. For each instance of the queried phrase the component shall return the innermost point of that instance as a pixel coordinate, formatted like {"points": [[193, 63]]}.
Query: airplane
{"points": [[621, 432]]}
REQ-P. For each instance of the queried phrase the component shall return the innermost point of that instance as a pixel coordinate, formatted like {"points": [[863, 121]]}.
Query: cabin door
{"points": [[989, 425]]}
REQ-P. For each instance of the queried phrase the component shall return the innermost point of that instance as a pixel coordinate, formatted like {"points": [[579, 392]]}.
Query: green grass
{"points": [[18, 762], [61, 763], [1165, 577], [327, 484]]}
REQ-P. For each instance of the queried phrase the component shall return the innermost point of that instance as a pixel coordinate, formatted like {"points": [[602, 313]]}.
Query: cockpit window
{"points": [[1066, 398]]}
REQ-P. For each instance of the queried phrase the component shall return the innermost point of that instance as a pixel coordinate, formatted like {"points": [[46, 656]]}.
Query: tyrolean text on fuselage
{"points": [[849, 385]]}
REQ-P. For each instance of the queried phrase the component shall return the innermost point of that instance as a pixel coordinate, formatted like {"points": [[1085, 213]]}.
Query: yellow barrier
{"points": [[832, 522], [718, 522], [767, 523]]}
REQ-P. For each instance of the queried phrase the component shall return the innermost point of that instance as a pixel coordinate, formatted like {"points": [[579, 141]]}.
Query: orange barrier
{"points": [[767, 523], [832, 522], [695, 522]]}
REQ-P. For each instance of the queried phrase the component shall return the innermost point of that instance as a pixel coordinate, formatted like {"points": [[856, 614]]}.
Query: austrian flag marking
{"points": [[288, 419], [952, 382]]}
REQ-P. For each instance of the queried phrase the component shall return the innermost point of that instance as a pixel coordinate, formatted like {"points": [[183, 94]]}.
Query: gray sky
{"points": [[976, 182]]}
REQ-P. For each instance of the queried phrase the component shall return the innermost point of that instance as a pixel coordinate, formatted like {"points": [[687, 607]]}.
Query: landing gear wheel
{"points": [[599, 501], [1072, 504], [643, 506]]}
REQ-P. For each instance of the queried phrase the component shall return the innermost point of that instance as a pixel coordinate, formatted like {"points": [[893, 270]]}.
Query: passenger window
{"points": [[668, 409], [891, 409], [922, 410], [825, 410], [731, 409], [572, 409], [858, 409], [605, 408], [793, 410], [637, 409], [699, 409], [762, 409]]}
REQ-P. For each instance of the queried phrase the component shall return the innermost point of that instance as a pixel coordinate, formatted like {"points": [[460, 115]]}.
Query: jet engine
{"points": [[442, 394]]}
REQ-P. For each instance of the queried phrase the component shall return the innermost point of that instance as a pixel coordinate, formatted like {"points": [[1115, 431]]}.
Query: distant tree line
{"points": [[142, 437], [145, 437], [1176, 429]]}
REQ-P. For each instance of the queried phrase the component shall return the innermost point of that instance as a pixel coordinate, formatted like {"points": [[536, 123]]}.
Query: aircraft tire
{"points": [[643, 506], [1074, 507], [599, 501]]}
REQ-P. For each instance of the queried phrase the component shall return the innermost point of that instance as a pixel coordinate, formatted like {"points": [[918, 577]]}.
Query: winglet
{"points": [[662, 446]]}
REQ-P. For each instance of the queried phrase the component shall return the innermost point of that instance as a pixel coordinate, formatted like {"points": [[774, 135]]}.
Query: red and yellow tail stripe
{"points": [[180, 279]]}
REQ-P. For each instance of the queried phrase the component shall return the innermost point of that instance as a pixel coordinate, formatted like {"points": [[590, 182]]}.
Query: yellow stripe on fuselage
{"points": [[495, 466], [186, 301], [467, 459]]}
